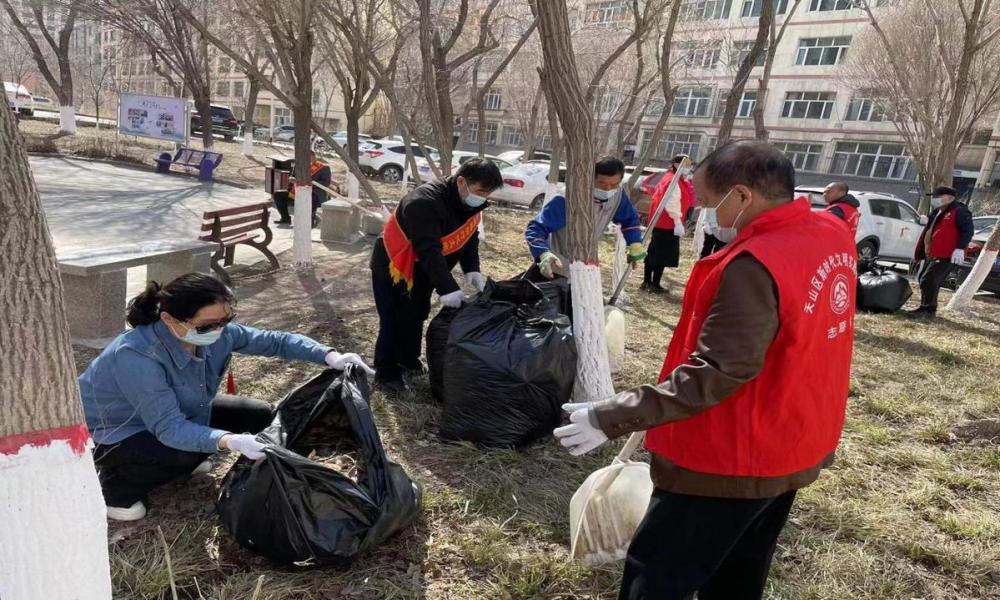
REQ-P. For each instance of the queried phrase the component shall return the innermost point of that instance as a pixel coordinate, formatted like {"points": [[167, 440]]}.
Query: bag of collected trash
{"points": [[507, 367], [614, 333], [882, 290], [325, 491], [437, 342], [607, 509]]}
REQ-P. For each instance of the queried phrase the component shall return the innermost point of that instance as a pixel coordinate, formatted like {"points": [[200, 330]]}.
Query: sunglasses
{"points": [[217, 324]]}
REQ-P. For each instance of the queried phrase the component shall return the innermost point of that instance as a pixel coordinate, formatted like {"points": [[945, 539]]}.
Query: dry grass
{"points": [[908, 511]]}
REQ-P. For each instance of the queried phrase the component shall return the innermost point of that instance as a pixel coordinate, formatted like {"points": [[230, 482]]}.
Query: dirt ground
{"points": [[908, 511]]}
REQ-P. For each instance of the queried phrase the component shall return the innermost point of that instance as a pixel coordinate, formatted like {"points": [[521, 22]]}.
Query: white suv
{"points": [[889, 228], [19, 98], [386, 158]]}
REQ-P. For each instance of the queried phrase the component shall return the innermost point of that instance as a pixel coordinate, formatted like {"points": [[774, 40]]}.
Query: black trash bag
{"points": [[557, 292], [297, 511], [508, 366], [437, 342], [882, 290]]}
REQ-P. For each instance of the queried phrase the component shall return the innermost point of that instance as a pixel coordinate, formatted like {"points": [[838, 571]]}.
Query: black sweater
{"points": [[426, 214]]}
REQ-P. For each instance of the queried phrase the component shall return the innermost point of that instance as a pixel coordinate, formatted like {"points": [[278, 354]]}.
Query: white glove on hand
{"points": [[579, 437], [547, 262], [958, 257], [245, 444], [476, 280], [338, 361], [453, 299], [679, 229]]}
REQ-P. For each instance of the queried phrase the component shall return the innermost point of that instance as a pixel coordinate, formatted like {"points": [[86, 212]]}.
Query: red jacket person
{"points": [[941, 246], [739, 420]]}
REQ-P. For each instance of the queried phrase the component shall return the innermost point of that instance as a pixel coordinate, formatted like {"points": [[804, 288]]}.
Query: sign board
{"points": [[155, 117]]}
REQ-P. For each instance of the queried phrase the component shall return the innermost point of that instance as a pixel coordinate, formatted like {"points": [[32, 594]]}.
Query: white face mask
{"points": [[603, 195], [937, 202], [199, 339], [723, 234]]}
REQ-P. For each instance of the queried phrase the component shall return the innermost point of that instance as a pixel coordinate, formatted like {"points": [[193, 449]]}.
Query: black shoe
{"points": [[283, 222], [921, 313], [645, 286], [392, 385], [656, 289]]}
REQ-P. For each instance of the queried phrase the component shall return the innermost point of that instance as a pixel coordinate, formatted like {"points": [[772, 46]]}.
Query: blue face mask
{"points": [[202, 339], [603, 195], [474, 201]]}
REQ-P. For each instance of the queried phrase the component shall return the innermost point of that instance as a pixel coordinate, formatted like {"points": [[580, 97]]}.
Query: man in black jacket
{"points": [[432, 229], [941, 246]]}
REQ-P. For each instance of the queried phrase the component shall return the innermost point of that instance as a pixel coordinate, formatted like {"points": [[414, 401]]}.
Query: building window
{"points": [[282, 116], [808, 105], [691, 103], [825, 5], [222, 89], [545, 142], [492, 100], [805, 157], [672, 144], [740, 52], [603, 102], [512, 135], [492, 127], [704, 10], [472, 132], [700, 54], [865, 106], [607, 12], [865, 159], [747, 103], [225, 64], [753, 8], [980, 137], [822, 51], [238, 87], [655, 108]]}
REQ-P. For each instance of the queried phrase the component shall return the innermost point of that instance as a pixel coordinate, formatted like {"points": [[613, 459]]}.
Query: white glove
{"points": [[679, 229], [245, 444], [339, 361], [547, 262], [476, 280], [958, 257], [453, 299], [579, 437]]}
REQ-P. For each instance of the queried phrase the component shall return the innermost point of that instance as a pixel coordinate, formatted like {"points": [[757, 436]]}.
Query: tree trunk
{"points": [[53, 542], [203, 102], [353, 129], [302, 235], [984, 264], [253, 90], [593, 381], [743, 73], [481, 119], [532, 133], [760, 128]]}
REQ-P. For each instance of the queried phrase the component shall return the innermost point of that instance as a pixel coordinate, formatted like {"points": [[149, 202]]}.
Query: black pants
{"points": [[711, 245], [720, 548], [652, 275], [932, 275], [133, 467], [401, 317], [283, 201]]}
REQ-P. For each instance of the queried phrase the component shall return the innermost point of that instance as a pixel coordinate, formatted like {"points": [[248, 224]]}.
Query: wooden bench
{"points": [[204, 160], [230, 227], [94, 281]]}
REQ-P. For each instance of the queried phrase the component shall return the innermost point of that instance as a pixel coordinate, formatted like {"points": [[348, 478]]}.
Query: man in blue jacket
{"points": [[547, 236]]}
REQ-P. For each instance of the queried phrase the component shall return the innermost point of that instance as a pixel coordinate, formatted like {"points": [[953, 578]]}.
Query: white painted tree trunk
{"points": [[593, 371], [984, 264], [247, 141], [67, 119], [404, 182], [619, 265], [302, 234], [54, 538], [353, 187]]}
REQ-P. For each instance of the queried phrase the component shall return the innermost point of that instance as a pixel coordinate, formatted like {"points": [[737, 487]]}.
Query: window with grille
{"points": [[492, 128], [492, 100], [808, 105], [691, 103], [805, 157], [822, 51], [873, 159], [753, 8], [704, 10], [865, 106], [672, 144], [700, 55], [512, 135], [607, 12], [826, 5], [740, 52]]}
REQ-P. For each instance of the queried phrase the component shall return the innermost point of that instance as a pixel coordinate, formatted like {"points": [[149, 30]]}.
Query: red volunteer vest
{"points": [[402, 256], [687, 200], [790, 416], [314, 168], [851, 215], [944, 236]]}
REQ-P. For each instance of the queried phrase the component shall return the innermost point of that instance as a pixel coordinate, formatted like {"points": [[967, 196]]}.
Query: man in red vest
{"points": [[434, 228], [842, 204], [752, 394], [941, 246], [319, 172]]}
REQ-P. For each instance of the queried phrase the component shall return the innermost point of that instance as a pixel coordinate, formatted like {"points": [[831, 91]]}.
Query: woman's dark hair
{"points": [[481, 172], [609, 166], [182, 298]]}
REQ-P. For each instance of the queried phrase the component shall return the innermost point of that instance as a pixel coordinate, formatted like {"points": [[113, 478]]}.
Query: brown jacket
{"points": [[733, 342]]}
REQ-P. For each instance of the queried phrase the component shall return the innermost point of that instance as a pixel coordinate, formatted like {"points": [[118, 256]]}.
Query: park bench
{"points": [[204, 160], [230, 227], [94, 281]]}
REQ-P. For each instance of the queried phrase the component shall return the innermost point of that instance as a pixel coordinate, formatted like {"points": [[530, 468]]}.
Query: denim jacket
{"points": [[145, 381]]}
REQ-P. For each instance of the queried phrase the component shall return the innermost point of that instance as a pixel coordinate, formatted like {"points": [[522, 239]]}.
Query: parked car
{"points": [[386, 158], [458, 158], [41, 102], [957, 276], [283, 133], [888, 229], [19, 98], [224, 122], [524, 184], [517, 156]]}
